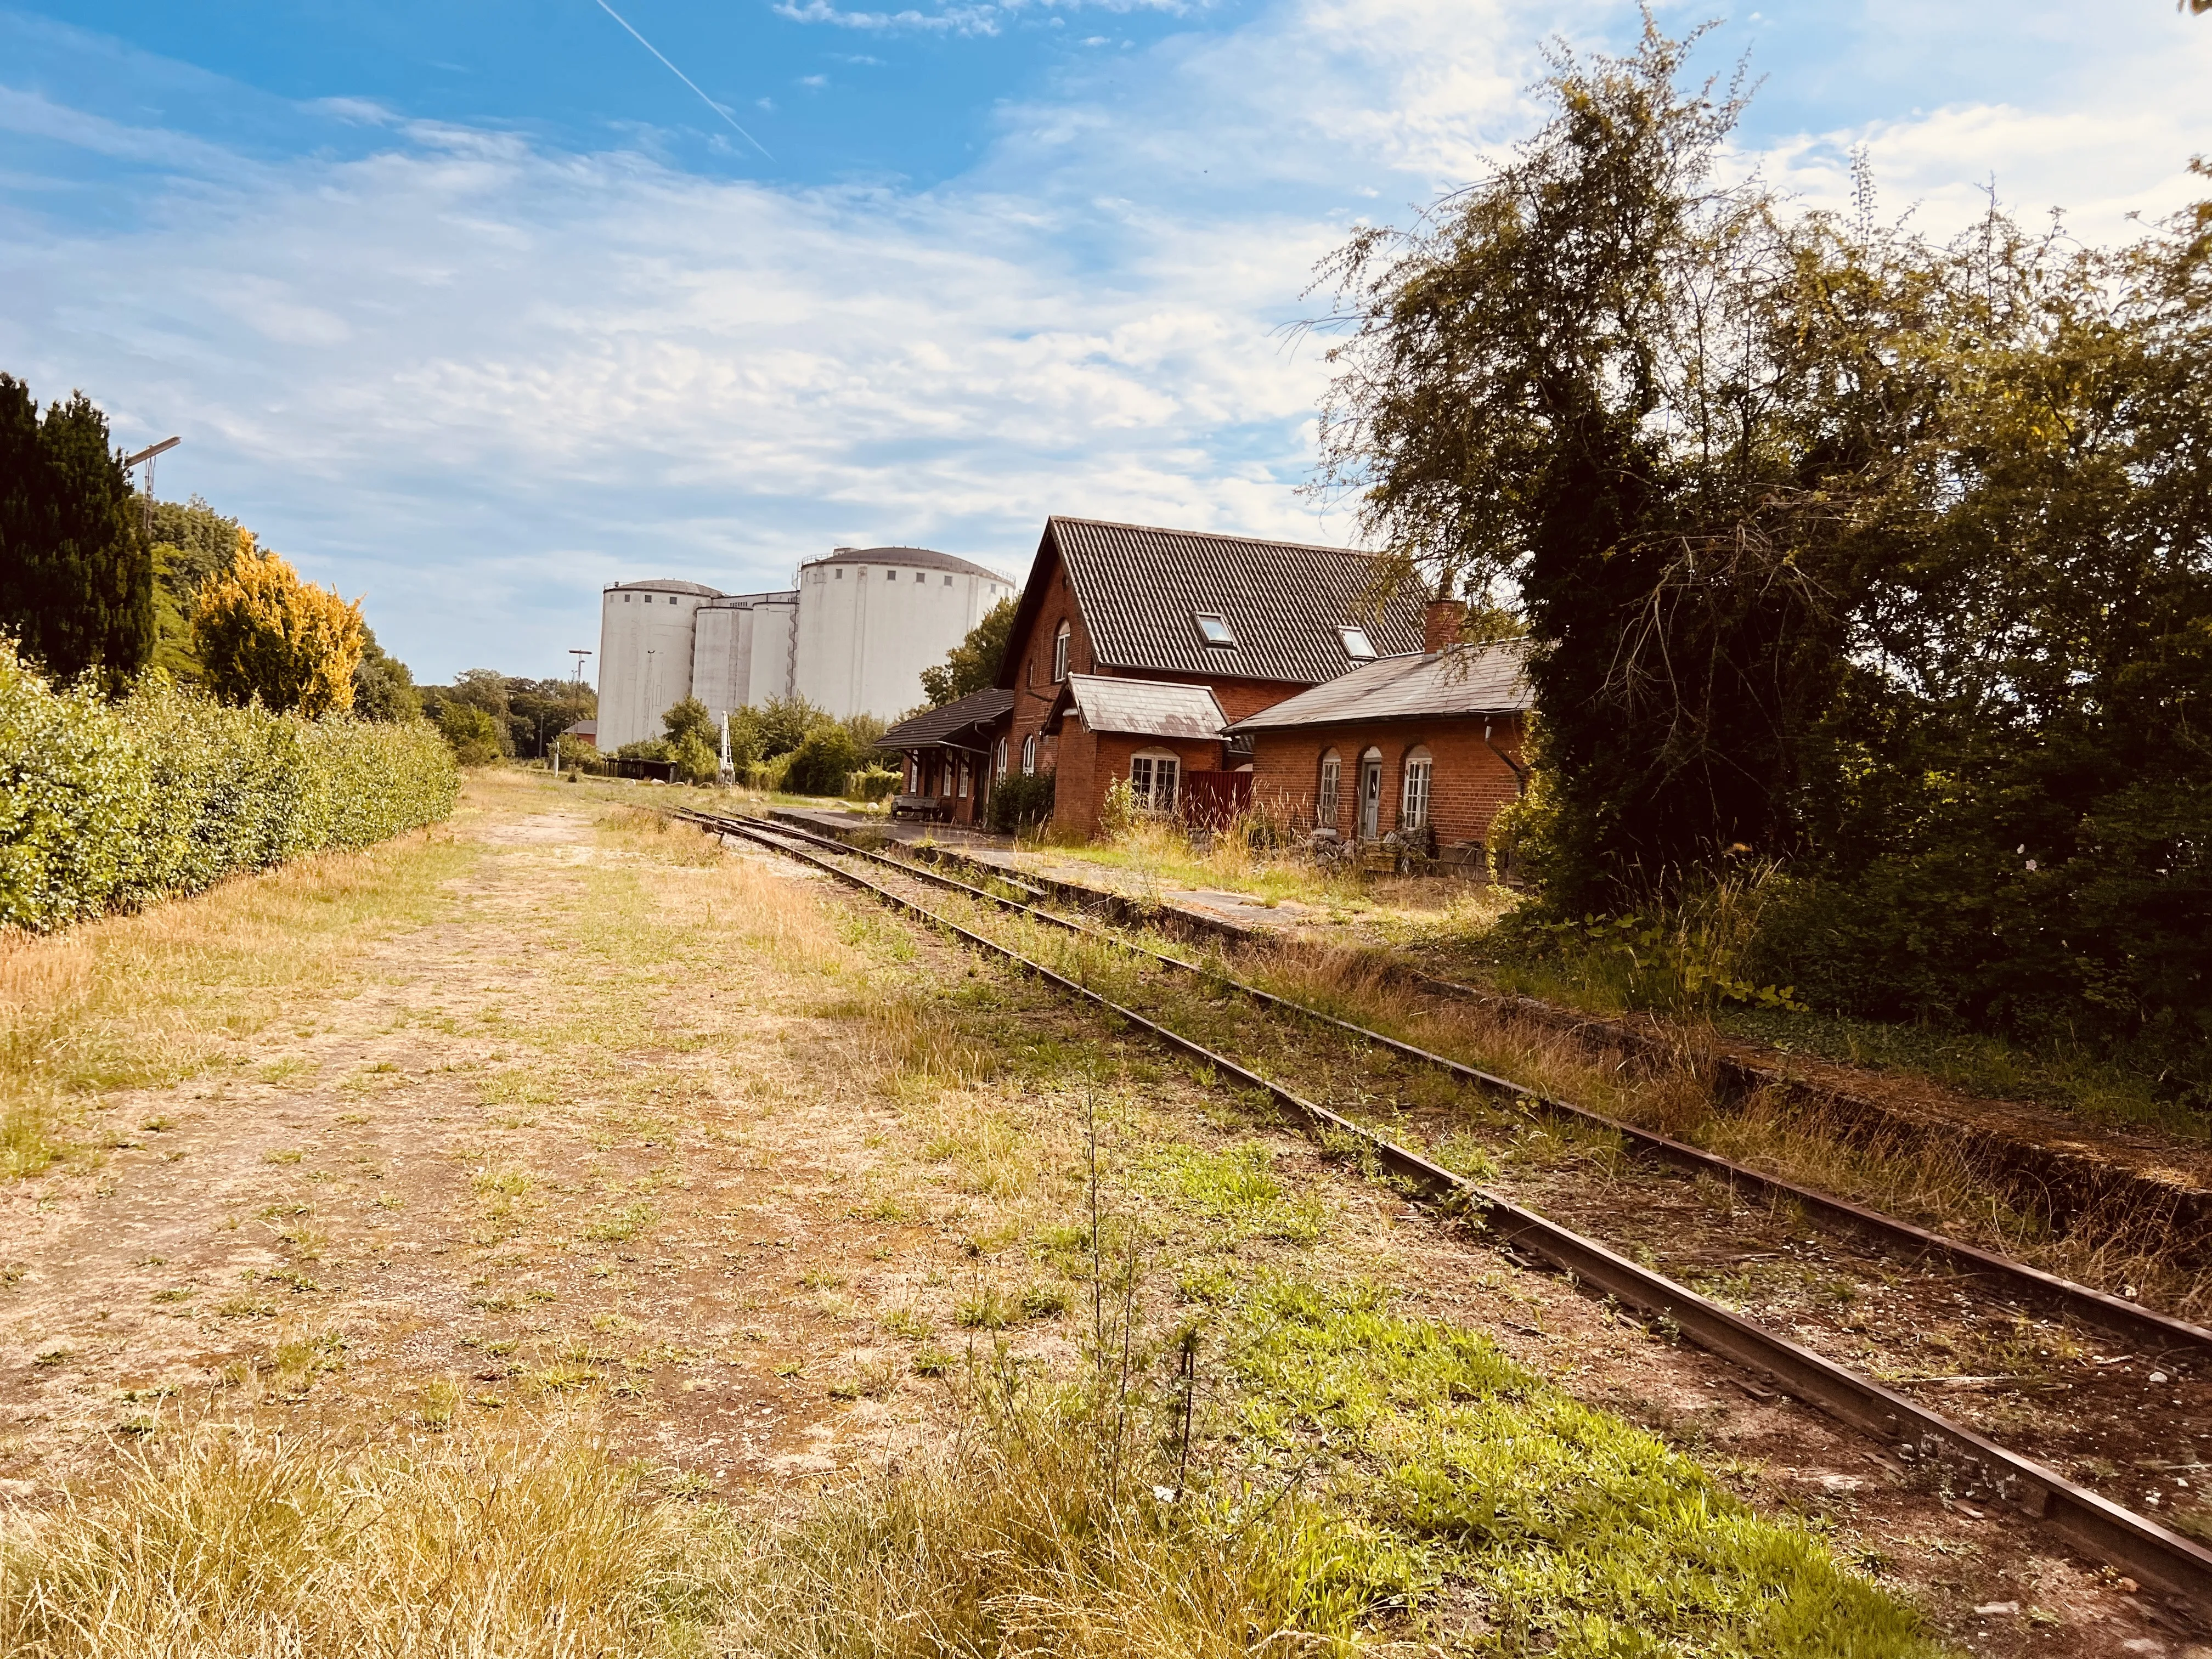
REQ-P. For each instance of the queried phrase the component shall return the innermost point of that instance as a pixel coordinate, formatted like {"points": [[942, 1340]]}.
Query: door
{"points": [[1370, 799]]}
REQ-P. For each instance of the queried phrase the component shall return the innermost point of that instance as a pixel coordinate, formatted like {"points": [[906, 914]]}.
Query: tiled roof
{"points": [[954, 720], [912, 558], [1140, 590], [1469, 679], [1150, 709]]}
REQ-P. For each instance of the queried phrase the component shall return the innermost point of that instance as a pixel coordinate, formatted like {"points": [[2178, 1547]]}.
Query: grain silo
{"points": [[645, 656], [872, 618]]}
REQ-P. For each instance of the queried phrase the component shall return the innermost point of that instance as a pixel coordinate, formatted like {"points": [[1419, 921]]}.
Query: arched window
{"points": [[1414, 799], [1325, 796], [1153, 774], [1060, 654], [1028, 754], [1000, 770], [964, 777]]}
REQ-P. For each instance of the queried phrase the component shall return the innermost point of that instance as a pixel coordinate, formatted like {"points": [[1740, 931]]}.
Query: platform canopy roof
{"points": [[1144, 709], [1466, 680]]}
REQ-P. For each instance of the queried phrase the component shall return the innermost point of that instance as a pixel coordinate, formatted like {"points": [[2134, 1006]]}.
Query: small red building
{"points": [[1426, 746], [1124, 634]]}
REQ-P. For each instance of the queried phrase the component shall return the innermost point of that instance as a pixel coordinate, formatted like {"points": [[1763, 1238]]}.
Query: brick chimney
{"points": [[1440, 625]]}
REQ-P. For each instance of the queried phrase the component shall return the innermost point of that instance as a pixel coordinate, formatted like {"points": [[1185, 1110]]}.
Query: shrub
{"points": [[1019, 801], [819, 765], [1119, 815], [260, 632], [471, 731], [696, 761], [109, 806], [871, 783]]}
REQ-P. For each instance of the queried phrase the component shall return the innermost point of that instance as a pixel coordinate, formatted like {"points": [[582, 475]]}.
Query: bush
{"points": [[1019, 801], [471, 731], [819, 765], [696, 761], [109, 806], [871, 783]]}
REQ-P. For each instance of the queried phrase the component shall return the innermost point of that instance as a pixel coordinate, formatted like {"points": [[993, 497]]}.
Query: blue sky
{"points": [[474, 307]]}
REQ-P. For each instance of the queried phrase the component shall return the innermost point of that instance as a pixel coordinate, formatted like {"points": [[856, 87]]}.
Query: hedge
{"points": [[107, 805]]}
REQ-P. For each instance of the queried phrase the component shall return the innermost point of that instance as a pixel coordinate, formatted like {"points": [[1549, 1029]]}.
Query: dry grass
{"points": [[243, 1545], [136, 1001]]}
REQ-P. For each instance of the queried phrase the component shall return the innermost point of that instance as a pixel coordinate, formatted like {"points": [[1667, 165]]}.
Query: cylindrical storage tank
{"points": [[645, 631], [872, 618]]}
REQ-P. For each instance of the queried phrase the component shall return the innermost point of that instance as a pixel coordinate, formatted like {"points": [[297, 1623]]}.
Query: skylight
{"points": [[1212, 629], [1356, 643]]}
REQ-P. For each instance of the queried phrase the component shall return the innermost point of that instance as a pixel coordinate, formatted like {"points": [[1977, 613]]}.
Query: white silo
{"points": [[645, 655], [872, 618], [741, 651]]}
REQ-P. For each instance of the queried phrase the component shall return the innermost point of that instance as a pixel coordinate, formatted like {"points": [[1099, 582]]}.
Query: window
{"points": [[913, 775], [672, 598], [1332, 777], [1212, 629], [964, 765], [1356, 643], [919, 577], [1028, 754], [1001, 769], [625, 599], [1413, 804], [948, 578], [841, 575], [890, 575], [1153, 779], [1060, 654]]}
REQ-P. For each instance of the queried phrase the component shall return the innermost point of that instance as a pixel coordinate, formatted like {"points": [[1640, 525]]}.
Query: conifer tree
{"points": [[76, 582]]}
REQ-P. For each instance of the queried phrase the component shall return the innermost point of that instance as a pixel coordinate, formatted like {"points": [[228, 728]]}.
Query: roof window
{"points": [[1357, 644], [1212, 629]]}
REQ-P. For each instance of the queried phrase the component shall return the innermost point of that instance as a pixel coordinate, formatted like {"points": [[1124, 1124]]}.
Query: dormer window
{"points": [[1357, 645], [1213, 630]]}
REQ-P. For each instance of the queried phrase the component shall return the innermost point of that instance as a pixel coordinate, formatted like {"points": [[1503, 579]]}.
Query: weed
{"points": [[616, 1226], [986, 1310]]}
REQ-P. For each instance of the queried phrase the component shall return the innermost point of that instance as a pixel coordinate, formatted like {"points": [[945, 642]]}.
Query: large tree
{"points": [[972, 665], [1885, 559], [76, 582]]}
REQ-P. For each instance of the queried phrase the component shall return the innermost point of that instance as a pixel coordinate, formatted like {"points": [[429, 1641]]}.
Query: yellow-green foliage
{"points": [[105, 805]]}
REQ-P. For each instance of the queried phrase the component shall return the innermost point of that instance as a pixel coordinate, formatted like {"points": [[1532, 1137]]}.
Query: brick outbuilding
{"points": [[1426, 745]]}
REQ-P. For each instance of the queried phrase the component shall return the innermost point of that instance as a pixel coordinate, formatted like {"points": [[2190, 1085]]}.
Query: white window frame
{"points": [[1060, 654], [1029, 754], [1200, 619], [1001, 767], [965, 767], [1151, 769], [1328, 793], [1417, 784], [1358, 644]]}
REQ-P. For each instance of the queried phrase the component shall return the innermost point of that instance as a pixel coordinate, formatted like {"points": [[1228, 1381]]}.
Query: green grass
{"points": [[1576, 1533], [1236, 1187]]}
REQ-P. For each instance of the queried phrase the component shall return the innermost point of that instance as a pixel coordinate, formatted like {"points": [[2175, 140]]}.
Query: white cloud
{"points": [[477, 377]]}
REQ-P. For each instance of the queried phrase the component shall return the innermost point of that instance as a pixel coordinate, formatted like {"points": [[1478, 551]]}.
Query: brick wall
{"points": [[1468, 783]]}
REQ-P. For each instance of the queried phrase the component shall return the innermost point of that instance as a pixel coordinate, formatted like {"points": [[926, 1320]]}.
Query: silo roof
{"points": [[664, 586], [918, 558]]}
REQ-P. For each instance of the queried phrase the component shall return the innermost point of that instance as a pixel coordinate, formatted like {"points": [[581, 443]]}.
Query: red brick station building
{"points": [[1215, 672]]}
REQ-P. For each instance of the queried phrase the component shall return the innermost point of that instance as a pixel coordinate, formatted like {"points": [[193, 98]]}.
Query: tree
{"points": [[383, 688], [76, 580], [973, 665], [263, 633], [694, 741], [192, 543], [473, 733], [1886, 560], [820, 765]]}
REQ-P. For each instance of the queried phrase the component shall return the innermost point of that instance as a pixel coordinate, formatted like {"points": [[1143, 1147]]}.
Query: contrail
{"points": [[685, 79]]}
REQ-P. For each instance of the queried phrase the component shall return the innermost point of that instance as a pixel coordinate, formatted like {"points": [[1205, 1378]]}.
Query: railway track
{"points": [[1808, 1364]]}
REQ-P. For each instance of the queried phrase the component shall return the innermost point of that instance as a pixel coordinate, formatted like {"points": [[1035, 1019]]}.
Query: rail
{"points": [[2096, 1525]]}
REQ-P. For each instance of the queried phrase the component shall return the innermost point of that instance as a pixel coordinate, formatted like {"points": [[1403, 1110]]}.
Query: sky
{"points": [[474, 307]]}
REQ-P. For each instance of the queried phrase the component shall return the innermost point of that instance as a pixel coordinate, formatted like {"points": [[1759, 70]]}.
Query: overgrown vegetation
{"points": [[107, 805], [1885, 558], [263, 635]]}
